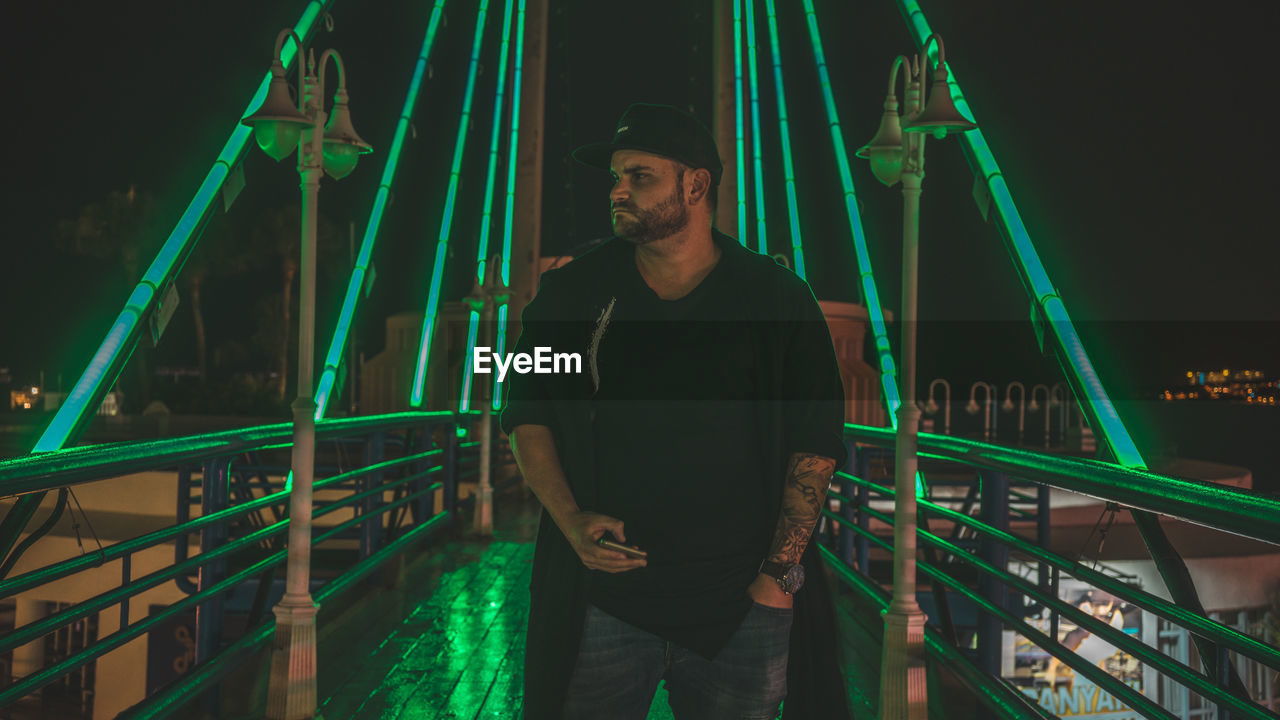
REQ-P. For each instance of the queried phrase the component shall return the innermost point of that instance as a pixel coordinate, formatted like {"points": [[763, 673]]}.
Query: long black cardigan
{"points": [[560, 316]]}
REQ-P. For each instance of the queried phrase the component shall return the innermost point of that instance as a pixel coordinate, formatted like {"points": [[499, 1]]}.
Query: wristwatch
{"points": [[789, 577]]}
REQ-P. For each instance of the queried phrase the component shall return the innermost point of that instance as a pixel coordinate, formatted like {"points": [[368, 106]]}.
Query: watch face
{"points": [[793, 579]]}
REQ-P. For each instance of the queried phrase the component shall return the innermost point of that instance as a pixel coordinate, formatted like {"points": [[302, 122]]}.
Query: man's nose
{"points": [[619, 193]]}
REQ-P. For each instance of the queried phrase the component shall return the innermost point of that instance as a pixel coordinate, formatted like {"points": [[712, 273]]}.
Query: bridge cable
{"points": [[417, 392], [486, 217], [360, 273]]}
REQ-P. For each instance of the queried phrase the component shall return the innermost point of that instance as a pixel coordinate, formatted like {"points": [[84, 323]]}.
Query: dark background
{"points": [[1137, 146]]}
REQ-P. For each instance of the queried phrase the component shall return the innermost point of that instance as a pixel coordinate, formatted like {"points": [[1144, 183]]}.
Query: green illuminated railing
{"points": [[999, 698], [418, 475], [1226, 509], [346, 318]]}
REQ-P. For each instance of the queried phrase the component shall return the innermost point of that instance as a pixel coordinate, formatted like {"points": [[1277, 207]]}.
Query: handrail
{"points": [[1181, 672], [1230, 510], [1239, 512], [167, 701], [998, 696], [78, 465], [47, 471]]}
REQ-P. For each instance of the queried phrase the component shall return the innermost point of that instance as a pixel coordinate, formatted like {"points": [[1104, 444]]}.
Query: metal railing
{"points": [[1005, 600], [408, 463]]}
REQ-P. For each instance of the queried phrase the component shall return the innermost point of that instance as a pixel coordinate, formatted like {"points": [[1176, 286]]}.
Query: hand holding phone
{"points": [[607, 543]]}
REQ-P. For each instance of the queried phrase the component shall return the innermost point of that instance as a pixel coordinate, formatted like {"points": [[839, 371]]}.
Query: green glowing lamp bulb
{"points": [[340, 159], [277, 139], [277, 124]]}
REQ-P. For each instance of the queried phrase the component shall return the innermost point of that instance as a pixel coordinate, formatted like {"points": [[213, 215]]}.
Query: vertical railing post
{"points": [[849, 505], [375, 451], [995, 512], [449, 463], [861, 543], [422, 507], [215, 488], [1043, 527], [182, 544]]}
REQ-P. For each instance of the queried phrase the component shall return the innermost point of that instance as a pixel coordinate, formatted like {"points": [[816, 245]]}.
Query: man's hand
{"points": [[765, 590], [583, 529]]}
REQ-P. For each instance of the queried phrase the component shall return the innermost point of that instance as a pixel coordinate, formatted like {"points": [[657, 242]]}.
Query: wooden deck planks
{"points": [[459, 653]]}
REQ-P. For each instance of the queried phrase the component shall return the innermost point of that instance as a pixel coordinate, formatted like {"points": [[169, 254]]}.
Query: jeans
{"points": [[619, 667]]}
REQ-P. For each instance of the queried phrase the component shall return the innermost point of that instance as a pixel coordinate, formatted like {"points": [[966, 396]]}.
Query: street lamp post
{"points": [[1007, 406], [972, 406], [897, 153], [334, 148], [489, 294], [1058, 399], [1035, 406], [931, 407]]}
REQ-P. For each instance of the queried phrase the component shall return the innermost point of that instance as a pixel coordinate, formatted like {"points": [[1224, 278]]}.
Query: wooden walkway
{"points": [[448, 642]]}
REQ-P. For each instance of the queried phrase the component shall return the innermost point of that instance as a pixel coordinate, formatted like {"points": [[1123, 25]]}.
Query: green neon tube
{"points": [[85, 397], [784, 126], [867, 281], [342, 331], [500, 344], [1045, 296], [757, 157], [490, 179], [739, 144], [513, 146], [442, 240]]}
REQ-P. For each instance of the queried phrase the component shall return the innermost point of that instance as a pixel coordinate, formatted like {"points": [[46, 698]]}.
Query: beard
{"points": [[640, 227]]}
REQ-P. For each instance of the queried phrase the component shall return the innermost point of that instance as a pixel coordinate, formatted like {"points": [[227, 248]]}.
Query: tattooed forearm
{"points": [[803, 492]]}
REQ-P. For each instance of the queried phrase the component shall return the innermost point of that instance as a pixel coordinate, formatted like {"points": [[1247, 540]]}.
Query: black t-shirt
{"points": [[692, 402]]}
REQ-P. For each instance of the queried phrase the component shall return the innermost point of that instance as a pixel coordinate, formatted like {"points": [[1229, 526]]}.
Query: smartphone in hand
{"points": [[605, 542]]}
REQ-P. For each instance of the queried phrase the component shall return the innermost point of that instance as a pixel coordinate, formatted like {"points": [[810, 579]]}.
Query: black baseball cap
{"points": [[662, 130]]}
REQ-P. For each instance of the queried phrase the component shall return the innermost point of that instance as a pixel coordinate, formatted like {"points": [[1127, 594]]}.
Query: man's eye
{"points": [[640, 175]]}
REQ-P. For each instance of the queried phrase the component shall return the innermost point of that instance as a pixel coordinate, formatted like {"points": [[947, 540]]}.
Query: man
{"points": [[702, 434]]}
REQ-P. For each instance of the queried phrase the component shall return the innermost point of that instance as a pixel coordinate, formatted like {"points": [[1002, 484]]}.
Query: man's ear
{"points": [[699, 184]]}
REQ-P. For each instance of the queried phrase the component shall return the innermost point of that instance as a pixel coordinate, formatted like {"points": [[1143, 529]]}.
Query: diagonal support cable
{"points": [[784, 128], [513, 146], [417, 392], [359, 274], [757, 156], [866, 280], [486, 220]]}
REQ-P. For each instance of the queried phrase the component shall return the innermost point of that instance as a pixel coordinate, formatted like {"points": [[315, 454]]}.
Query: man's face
{"points": [[647, 200]]}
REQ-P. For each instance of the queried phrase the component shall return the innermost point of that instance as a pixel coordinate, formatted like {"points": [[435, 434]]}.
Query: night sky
{"points": [[1137, 146]]}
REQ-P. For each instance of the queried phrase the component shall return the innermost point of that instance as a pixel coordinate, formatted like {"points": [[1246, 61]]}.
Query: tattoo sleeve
{"points": [[803, 492]]}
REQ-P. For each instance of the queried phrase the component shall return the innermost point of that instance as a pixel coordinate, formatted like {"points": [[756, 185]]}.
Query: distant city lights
{"points": [[1248, 386]]}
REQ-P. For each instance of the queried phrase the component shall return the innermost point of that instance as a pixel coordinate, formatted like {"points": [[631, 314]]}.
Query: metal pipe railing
{"points": [[49, 471], [1207, 684], [1005, 701], [1240, 512], [216, 448]]}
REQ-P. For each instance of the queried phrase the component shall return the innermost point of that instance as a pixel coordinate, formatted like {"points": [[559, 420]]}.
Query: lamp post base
{"points": [[291, 693], [482, 521], [903, 686]]}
